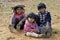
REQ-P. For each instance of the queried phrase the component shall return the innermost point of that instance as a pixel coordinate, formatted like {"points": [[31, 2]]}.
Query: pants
{"points": [[47, 30], [33, 34]]}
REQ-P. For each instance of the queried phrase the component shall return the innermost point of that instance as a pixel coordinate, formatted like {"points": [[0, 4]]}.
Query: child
{"points": [[45, 20], [30, 27], [18, 17]]}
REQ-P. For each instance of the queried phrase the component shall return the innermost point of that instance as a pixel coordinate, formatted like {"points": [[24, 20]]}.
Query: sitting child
{"points": [[18, 18], [30, 27], [45, 20]]}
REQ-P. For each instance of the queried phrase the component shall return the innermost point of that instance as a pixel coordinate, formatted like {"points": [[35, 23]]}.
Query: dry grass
{"points": [[31, 5]]}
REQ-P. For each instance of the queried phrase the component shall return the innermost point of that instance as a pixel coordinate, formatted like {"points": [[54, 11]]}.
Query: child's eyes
{"points": [[19, 9]]}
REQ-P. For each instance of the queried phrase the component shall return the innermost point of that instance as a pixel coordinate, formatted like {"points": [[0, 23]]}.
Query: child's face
{"points": [[19, 10], [31, 20], [42, 10]]}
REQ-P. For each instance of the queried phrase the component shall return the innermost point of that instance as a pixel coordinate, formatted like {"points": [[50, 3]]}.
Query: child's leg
{"points": [[15, 21], [42, 30], [49, 30], [32, 34], [13, 24], [22, 26], [23, 22], [11, 27], [39, 29]]}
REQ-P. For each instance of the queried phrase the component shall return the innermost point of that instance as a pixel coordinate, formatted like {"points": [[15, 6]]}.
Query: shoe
{"points": [[11, 28]]}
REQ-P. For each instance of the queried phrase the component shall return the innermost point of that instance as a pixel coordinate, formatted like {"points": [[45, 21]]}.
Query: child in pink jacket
{"points": [[30, 27]]}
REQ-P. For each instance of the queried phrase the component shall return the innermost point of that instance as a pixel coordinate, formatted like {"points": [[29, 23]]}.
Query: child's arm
{"points": [[49, 17], [36, 27], [23, 19], [21, 22], [48, 23], [11, 19]]}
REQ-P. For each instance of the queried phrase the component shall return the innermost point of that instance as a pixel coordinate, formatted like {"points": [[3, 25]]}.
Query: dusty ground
{"points": [[31, 5]]}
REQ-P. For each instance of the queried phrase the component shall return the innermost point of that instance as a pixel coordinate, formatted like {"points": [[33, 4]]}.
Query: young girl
{"points": [[18, 17], [45, 20], [30, 27]]}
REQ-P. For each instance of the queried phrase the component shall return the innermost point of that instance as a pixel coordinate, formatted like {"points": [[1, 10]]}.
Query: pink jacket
{"points": [[29, 27]]}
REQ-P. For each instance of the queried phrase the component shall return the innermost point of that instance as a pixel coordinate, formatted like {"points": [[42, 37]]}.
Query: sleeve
{"points": [[49, 17], [23, 18]]}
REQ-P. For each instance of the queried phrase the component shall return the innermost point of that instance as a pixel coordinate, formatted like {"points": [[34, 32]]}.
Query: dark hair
{"points": [[31, 15], [18, 6], [41, 5]]}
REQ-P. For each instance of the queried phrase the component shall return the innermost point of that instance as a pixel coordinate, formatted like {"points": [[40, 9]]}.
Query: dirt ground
{"points": [[31, 5]]}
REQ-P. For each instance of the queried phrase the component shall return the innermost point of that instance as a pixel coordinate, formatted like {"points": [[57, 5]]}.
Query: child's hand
{"points": [[34, 30], [20, 23]]}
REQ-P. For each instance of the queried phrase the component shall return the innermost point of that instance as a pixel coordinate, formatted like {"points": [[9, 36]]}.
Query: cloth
{"points": [[16, 18], [29, 27], [44, 17]]}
